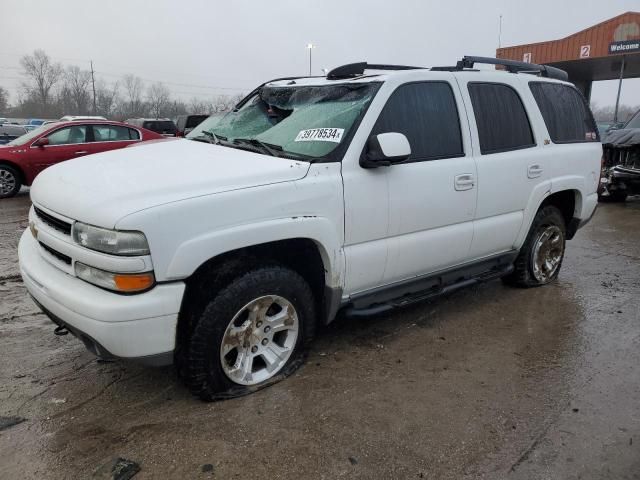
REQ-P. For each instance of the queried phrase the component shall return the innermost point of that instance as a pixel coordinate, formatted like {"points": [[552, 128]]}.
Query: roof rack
{"points": [[511, 66], [356, 69]]}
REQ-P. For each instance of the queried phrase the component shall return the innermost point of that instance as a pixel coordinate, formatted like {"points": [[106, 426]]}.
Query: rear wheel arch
{"points": [[569, 202]]}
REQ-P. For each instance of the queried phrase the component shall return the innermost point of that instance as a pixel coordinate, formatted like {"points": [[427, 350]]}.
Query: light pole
{"points": [[310, 46]]}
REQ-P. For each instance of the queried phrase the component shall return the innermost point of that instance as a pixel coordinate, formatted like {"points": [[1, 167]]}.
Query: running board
{"points": [[419, 290]]}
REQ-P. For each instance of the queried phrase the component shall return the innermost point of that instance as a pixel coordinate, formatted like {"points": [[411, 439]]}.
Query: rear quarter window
{"points": [[565, 113]]}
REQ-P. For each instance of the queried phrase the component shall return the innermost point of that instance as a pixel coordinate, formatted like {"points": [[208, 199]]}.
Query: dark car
{"points": [[163, 126], [26, 156], [186, 123], [9, 133], [621, 162]]}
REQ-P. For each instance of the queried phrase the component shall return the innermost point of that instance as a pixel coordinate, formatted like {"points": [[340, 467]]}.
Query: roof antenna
{"points": [[500, 32]]}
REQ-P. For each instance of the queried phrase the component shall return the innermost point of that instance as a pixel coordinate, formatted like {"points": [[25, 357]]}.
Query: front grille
{"points": [[53, 222], [60, 256]]}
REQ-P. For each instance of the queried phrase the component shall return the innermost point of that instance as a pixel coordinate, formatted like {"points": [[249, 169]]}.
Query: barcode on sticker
{"points": [[320, 135]]}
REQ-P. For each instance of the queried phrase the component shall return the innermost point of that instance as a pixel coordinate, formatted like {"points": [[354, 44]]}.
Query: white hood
{"points": [[102, 188]]}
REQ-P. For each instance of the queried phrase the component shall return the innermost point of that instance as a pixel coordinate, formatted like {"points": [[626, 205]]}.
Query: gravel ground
{"points": [[492, 382]]}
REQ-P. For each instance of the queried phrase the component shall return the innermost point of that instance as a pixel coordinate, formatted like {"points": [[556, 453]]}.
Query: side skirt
{"points": [[408, 292]]}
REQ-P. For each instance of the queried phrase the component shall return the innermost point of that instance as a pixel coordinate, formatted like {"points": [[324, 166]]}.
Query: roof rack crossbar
{"points": [[356, 69], [514, 66]]}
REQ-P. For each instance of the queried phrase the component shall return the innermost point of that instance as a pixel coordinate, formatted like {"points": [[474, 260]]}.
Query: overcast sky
{"points": [[208, 47]]}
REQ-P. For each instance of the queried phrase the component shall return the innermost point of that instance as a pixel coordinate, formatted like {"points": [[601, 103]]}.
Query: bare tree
{"points": [[133, 87], [42, 75], [158, 97], [4, 100], [106, 99], [76, 85], [197, 105]]}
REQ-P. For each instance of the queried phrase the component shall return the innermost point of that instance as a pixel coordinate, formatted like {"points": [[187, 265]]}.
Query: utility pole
{"points": [[500, 33], [615, 115], [93, 84]]}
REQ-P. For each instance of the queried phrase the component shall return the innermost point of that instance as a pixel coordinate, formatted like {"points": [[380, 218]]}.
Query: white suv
{"points": [[375, 187]]}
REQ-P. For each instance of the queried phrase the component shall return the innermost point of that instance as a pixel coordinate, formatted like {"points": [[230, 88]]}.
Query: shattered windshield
{"points": [[306, 122]]}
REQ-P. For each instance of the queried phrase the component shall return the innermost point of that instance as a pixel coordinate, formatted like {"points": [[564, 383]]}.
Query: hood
{"points": [[624, 137], [100, 189]]}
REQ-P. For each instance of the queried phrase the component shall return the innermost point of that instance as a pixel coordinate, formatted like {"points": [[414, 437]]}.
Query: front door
{"points": [[432, 195], [64, 144]]}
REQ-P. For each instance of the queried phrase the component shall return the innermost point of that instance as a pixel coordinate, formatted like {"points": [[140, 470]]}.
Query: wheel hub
{"points": [[7, 182], [259, 340], [547, 253]]}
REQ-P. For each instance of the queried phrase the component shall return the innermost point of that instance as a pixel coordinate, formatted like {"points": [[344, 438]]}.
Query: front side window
{"points": [[426, 113], [68, 135], [113, 133], [307, 122], [565, 113], [503, 124]]}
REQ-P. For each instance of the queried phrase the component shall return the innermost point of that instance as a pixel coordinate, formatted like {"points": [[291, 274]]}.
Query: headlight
{"points": [[118, 282], [114, 242]]}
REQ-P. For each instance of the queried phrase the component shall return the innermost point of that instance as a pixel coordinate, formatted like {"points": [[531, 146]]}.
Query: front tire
{"points": [[10, 181], [254, 332], [540, 258]]}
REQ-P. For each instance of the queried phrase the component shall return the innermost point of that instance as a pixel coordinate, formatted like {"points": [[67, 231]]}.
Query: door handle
{"points": [[465, 181], [81, 152], [534, 171]]}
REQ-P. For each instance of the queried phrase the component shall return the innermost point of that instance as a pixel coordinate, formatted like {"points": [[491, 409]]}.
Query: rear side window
{"points": [[113, 133], [427, 114], [502, 121], [565, 113]]}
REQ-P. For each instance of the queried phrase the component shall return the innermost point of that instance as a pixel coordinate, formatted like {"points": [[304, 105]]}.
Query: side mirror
{"points": [[41, 142], [385, 149]]}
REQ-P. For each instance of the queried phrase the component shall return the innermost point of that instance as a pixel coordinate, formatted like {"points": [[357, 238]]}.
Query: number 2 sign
{"points": [[585, 51]]}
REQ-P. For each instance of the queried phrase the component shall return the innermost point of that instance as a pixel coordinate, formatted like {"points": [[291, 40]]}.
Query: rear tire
{"points": [[254, 332], [10, 181], [540, 258]]}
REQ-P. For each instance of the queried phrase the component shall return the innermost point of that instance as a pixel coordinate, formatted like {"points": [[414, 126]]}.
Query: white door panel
{"points": [[425, 251], [485, 240], [430, 220]]}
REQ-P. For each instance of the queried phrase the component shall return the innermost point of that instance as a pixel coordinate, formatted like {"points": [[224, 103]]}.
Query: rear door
{"points": [[513, 166], [111, 137]]}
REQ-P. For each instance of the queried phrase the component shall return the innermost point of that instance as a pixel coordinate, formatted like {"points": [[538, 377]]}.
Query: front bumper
{"points": [[140, 327]]}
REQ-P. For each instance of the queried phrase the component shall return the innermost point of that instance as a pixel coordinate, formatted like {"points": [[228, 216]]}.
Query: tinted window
{"points": [[68, 135], [565, 113], [113, 133], [160, 126], [502, 121], [194, 120], [427, 114]]}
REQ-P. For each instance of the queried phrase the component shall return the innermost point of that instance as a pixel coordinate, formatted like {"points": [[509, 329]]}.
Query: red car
{"points": [[26, 156]]}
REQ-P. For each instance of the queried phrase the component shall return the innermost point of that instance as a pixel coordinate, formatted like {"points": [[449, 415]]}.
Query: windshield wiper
{"points": [[212, 137], [269, 148]]}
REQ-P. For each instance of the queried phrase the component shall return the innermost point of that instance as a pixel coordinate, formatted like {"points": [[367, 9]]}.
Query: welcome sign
{"points": [[626, 46]]}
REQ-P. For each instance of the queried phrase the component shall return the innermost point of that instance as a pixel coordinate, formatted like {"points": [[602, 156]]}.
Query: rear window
{"points": [[160, 126], [502, 121], [13, 131], [565, 113], [194, 120]]}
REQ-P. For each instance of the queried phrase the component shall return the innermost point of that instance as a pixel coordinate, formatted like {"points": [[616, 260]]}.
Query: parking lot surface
{"points": [[492, 382]]}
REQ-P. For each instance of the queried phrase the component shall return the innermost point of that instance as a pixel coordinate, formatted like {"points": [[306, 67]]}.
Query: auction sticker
{"points": [[320, 135]]}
